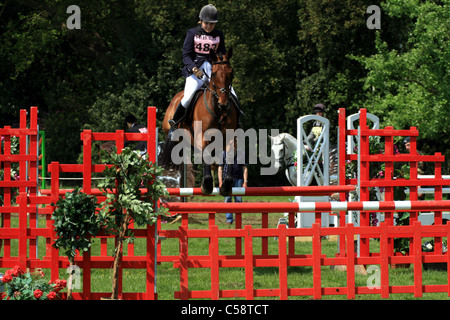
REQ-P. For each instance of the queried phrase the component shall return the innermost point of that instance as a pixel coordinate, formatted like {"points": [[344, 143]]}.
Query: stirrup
{"points": [[173, 124]]}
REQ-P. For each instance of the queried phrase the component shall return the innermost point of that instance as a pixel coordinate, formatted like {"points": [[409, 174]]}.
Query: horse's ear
{"points": [[229, 53]]}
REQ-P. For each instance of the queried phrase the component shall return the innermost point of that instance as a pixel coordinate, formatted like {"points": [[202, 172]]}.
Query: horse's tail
{"points": [[165, 159]]}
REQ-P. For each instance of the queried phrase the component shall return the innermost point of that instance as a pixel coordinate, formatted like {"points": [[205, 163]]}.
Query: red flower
{"points": [[60, 284], [17, 271], [7, 277], [51, 295], [38, 293]]}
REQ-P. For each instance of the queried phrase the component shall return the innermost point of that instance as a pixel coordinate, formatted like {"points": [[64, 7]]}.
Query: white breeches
{"points": [[193, 83]]}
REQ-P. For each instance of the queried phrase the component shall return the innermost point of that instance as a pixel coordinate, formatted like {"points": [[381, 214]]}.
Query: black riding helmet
{"points": [[209, 14], [319, 108]]}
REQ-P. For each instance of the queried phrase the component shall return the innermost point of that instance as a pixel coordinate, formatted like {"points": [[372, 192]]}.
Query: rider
{"points": [[198, 43]]}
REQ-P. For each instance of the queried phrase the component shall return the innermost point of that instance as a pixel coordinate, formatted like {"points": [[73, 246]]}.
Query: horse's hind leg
{"points": [[207, 183]]}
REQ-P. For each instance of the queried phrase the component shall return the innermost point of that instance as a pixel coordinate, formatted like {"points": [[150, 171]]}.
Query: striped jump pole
{"points": [[252, 207], [266, 191], [249, 191]]}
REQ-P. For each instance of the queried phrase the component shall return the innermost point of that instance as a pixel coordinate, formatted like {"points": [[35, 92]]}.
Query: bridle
{"points": [[227, 90], [288, 162]]}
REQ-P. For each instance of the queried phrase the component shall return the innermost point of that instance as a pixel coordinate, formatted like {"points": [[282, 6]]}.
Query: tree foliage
{"points": [[409, 85], [288, 56], [76, 221]]}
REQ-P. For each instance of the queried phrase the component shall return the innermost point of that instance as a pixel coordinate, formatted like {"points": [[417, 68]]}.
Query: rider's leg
{"points": [[191, 85], [178, 116]]}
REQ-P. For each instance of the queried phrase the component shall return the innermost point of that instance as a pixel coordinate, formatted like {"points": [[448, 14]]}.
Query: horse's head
{"points": [[283, 147], [221, 78], [278, 150]]}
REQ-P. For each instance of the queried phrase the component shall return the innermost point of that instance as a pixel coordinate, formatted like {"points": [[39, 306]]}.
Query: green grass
{"points": [[168, 277]]}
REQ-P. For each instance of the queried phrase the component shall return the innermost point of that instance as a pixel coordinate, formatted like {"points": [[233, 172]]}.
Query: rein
{"points": [[287, 161], [214, 93]]}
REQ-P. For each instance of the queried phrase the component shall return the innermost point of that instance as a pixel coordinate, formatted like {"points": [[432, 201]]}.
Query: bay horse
{"points": [[215, 109]]}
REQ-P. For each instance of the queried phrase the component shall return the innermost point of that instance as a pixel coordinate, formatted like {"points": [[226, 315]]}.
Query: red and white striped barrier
{"points": [[255, 207], [267, 191], [249, 191]]}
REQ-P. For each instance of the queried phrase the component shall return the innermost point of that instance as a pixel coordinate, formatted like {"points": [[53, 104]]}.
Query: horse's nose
{"points": [[277, 165], [222, 106]]}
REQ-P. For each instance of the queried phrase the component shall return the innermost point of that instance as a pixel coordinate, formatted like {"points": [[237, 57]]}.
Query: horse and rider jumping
{"points": [[208, 68]]}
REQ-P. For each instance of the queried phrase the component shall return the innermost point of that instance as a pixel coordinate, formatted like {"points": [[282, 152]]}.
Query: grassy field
{"points": [[168, 277]]}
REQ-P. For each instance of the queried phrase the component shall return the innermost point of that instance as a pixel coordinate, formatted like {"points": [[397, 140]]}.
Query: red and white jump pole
{"points": [[267, 191], [249, 191], [255, 207]]}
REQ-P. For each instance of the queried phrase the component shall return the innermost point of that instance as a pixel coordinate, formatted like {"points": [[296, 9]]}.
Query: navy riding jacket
{"points": [[197, 45]]}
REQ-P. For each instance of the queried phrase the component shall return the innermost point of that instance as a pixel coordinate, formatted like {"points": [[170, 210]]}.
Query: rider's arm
{"points": [[188, 49]]}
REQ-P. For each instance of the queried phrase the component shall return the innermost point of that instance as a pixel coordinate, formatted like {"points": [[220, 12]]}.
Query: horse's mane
{"points": [[288, 137]]}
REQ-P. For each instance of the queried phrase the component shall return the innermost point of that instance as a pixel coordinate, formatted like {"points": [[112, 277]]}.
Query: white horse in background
{"points": [[283, 147]]}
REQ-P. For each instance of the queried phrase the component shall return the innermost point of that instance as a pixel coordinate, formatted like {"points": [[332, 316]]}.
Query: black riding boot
{"points": [[178, 116]]}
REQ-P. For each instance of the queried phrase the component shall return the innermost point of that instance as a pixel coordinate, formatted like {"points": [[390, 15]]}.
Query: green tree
{"points": [[410, 85]]}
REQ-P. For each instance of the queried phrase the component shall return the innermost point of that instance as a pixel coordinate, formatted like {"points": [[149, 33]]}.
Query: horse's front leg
{"points": [[227, 185], [207, 183]]}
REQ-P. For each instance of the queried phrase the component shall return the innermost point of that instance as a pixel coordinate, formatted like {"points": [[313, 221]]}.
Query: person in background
{"points": [[240, 177], [133, 126], [319, 110]]}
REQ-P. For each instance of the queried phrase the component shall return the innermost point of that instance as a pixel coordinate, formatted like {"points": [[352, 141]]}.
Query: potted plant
{"points": [[26, 286], [75, 222], [125, 202]]}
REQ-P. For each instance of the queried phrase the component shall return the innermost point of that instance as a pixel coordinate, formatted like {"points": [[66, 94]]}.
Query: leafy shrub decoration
{"points": [[125, 202], [75, 221]]}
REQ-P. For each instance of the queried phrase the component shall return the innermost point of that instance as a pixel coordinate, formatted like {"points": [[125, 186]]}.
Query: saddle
{"points": [[189, 115]]}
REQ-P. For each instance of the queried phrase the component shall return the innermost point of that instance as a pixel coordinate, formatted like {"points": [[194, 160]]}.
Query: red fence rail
{"points": [[24, 162], [390, 158], [287, 258], [32, 206]]}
